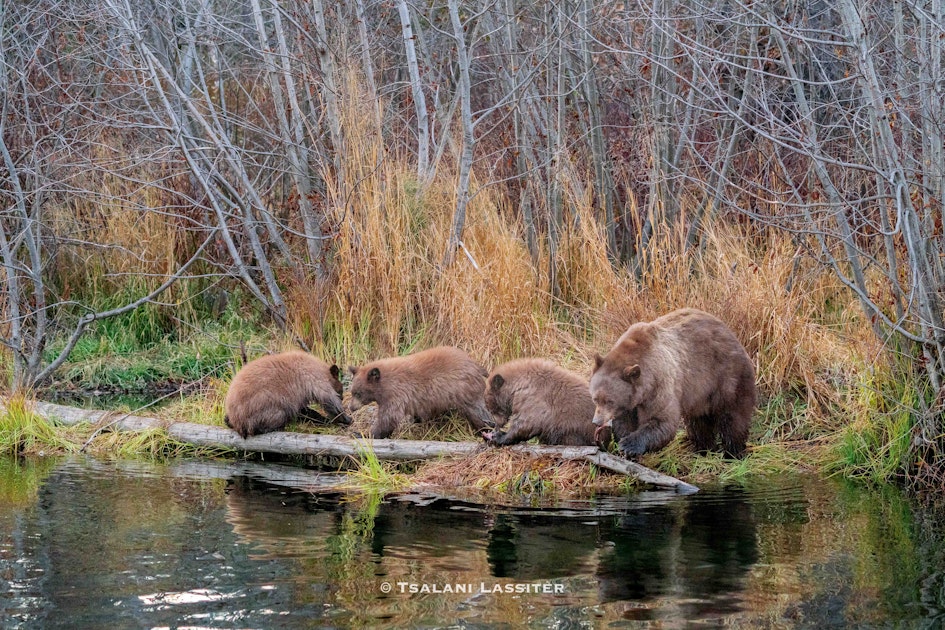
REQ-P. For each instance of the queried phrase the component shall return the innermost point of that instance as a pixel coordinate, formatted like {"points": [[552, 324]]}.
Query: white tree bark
{"points": [[419, 100], [466, 155]]}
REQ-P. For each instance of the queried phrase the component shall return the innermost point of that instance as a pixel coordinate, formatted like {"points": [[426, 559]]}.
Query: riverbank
{"points": [[38, 428]]}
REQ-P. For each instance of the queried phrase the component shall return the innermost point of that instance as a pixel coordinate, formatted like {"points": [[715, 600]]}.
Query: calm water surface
{"points": [[87, 544]]}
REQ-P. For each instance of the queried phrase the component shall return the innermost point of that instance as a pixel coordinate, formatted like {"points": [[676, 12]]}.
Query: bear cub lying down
{"points": [[421, 386], [539, 399], [684, 368]]}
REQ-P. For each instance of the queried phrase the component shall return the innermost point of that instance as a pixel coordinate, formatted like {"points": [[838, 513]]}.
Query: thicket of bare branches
{"points": [[226, 124]]}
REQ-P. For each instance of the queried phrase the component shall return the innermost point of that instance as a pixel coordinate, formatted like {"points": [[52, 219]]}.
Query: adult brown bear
{"points": [[273, 389], [421, 386], [539, 399], [684, 367]]}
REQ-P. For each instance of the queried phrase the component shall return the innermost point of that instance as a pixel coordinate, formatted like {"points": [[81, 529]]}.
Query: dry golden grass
{"points": [[502, 471], [389, 294], [392, 296], [113, 240]]}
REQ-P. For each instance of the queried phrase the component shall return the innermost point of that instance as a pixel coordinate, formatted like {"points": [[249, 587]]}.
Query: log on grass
{"points": [[289, 443]]}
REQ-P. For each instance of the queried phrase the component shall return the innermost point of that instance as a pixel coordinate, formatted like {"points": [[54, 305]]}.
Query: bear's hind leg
{"points": [[700, 433], [268, 420], [734, 430]]}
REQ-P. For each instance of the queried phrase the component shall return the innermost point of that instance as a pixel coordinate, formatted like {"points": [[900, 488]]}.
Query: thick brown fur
{"points": [[684, 368], [539, 399], [272, 390], [421, 386]]}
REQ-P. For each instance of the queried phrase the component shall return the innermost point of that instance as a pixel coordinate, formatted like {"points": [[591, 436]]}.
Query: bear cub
{"points": [[539, 399], [684, 368], [420, 386], [270, 391]]}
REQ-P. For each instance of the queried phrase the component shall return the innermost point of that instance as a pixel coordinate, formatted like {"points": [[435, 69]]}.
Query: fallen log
{"points": [[289, 443]]}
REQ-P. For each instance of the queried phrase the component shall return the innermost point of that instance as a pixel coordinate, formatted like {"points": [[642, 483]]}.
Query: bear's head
{"points": [[621, 380], [498, 397], [365, 386]]}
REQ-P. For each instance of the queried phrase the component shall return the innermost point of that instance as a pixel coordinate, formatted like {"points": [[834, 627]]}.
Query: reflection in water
{"points": [[698, 551], [527, 548], [279, 522], [86, 544]]}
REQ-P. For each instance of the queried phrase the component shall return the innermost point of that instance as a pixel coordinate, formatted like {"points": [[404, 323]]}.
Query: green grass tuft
{"points": [[153, 444], [761, 460], [373, 475], [876, 444], [23, 432]]}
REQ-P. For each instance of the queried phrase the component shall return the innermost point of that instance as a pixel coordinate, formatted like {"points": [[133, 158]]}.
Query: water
{"points": [[86, 544]]}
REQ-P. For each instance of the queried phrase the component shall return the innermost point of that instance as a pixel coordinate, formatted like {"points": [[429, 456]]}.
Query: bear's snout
{"points": [[602, 422]]}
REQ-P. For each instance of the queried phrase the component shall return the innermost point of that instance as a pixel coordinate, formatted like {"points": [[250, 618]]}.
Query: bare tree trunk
{"points": [[367, 66], [919, 259], [290, 133], [555, 201], [24, 227], [661, 202], [466, 157], [419, 100], [921, 267], [330, 93], [600, 158], [516, 86], [812, 145], [720, 171]]}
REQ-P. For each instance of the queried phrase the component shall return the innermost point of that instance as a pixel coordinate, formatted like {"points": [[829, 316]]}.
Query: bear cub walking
{"points": [[539, 399], [272, 390], [421, 386], [686, 367]]}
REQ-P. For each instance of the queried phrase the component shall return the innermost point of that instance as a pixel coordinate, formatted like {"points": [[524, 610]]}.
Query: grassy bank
{"points": [[487, 473], [829, 400]]}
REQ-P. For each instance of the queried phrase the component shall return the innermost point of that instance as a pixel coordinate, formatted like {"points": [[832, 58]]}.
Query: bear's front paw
{"points": [[492, 437], [631, 448]]}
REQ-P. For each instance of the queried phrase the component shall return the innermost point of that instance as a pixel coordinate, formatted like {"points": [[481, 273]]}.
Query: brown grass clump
{"points": [[506, 472]]}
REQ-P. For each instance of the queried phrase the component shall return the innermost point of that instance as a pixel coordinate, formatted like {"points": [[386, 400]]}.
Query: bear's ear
{"points": [[335, 372], [374, 375], [353, 369], [631, 372], [598, 361], [497, 382]]}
